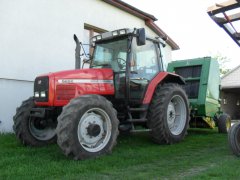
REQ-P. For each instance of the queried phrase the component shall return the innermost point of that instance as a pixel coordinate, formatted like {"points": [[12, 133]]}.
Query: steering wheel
{"points": [[121, 62]]}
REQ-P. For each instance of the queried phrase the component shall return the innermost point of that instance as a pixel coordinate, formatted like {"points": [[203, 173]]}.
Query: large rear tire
{"points": [[234, 139], [224, 123], [87, 127], [168, 116], [31, 130]]}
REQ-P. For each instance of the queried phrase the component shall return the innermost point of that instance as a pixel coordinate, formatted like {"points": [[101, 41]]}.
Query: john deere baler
{"points": [[202, 78]]}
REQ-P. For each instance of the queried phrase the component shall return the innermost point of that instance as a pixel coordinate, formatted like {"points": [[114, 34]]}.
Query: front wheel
{"points": [[87, 127], [31, 130], [168, 115]]}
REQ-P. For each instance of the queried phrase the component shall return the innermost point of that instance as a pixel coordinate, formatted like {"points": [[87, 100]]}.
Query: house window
{"points": [[89, 32]]}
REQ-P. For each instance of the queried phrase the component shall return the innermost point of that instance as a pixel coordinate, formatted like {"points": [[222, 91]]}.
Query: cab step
{"points": [[137, 120], [137, 109]]}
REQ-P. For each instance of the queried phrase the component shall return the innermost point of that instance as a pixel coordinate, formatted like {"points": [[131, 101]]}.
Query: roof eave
{"points": [[148, 18], [130, 9], [230, 72], [221, 7], [230, 87]]}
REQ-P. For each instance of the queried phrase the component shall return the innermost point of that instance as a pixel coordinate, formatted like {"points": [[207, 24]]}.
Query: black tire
{"points": [[25, 128], [161, 106], [224, 123], [234, 139], [77, 121]]}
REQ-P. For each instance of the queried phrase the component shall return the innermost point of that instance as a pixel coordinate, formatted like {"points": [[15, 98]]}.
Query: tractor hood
{"points": [[82, 74], [65, 85]]}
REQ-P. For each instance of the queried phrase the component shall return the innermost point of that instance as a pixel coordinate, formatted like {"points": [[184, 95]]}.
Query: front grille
{"points": [[65, 92], [41, 86]]}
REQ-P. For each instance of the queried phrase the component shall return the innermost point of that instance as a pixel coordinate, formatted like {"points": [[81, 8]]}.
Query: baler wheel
{"points": [[234, 139], [87, 127], [29, 130], [168, 115], [224, 123]]}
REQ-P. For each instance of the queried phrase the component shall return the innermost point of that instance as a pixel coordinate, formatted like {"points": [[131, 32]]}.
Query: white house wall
{"points": [[36, 37], [12, 93]]}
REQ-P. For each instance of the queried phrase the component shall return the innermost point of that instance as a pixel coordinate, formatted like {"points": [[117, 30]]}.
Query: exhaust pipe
{"points": [[77, 52]]}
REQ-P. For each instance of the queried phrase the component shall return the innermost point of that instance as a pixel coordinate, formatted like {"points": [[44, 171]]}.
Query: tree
{"points": [[222, 60]]}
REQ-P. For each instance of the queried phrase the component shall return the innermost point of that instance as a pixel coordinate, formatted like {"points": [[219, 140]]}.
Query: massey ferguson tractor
{"points": [[125, 87]]}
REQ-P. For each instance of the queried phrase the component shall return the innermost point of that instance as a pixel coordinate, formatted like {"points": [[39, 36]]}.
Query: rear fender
{"points": [[162, 77]]}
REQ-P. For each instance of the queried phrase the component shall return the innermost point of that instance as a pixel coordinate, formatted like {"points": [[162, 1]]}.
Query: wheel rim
{"points": [[176, 115], [94, 130], [41, 131]]}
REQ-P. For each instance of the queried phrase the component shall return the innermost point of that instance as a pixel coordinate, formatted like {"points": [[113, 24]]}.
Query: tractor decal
{"points": [[80, 81]]}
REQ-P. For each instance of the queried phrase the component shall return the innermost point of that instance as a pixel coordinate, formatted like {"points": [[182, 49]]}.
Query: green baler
{"points": [[202, 78]]}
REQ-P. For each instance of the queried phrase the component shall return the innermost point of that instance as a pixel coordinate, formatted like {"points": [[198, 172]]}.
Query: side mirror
{"points": [[141, 37]]}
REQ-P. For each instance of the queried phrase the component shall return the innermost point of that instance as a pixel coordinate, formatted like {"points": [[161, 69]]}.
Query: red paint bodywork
{"points": [[61, 93], [156, 80]]}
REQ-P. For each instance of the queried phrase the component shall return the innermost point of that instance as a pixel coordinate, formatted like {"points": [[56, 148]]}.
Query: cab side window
{"points": [[144, 62]]}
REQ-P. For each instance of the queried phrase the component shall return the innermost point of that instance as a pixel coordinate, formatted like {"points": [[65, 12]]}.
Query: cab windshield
{"points": [[110, 54]]}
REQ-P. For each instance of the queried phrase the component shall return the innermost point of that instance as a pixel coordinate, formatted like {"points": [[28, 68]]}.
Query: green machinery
{"points": [[202, 77]]}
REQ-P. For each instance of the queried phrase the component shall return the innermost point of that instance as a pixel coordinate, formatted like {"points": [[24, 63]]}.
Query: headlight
{"points": [[94, 39], [43, 94], [36, 94], [41, 89], [123, 31], [114, 33], [99, 37]]}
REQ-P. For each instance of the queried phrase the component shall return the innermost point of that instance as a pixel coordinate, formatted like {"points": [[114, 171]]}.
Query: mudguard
{"points": [[162, 77]]}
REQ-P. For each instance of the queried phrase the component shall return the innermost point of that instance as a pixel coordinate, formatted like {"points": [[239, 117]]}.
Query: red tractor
{"points": [[125, 86]]}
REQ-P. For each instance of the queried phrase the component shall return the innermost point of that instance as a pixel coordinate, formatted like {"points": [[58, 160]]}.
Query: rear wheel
{"points": [[87, 127], [32, 130], [224, 123], [234, 139], [168, 114]]}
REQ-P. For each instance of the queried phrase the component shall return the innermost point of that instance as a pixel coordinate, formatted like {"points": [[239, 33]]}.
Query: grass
{"points": [[204, 154]]}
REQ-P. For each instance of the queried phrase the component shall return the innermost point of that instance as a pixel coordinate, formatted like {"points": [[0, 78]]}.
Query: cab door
{"points": [[144, 66]]}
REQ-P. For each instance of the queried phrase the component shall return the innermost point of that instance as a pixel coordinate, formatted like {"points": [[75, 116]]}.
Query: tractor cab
{"points": [[134, 59]]}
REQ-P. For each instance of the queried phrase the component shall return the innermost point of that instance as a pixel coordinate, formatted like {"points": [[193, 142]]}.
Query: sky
{"points": [[189, 25]]}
